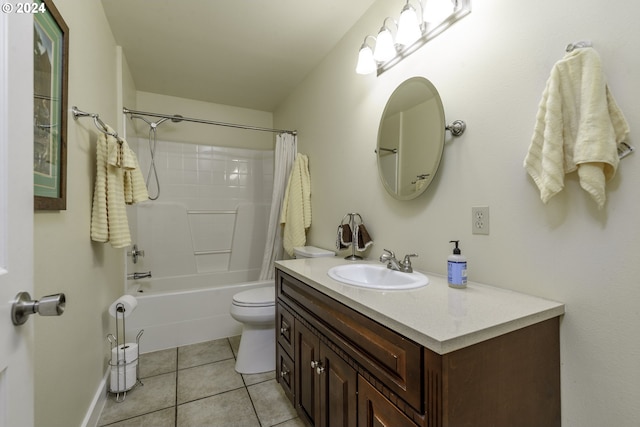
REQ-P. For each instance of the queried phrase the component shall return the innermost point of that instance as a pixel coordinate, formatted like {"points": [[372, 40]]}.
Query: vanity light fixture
{"points": [[416, 26]]}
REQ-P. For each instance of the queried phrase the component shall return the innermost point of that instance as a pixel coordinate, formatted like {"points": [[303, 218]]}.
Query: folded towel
{"points": [[135, 189], [363, 240], [108, 215], [122, 156], [296, 206], [345, 236], [578, 127]]}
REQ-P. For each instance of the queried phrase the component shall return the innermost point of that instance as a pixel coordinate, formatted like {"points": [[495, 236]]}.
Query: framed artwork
{"points": [[50, 87]]}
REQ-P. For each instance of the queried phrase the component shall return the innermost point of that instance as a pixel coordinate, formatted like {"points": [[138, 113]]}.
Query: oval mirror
{"points": [[410, 138]]}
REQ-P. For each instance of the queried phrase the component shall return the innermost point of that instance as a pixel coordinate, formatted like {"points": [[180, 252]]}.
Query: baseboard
{"points": [[97, 404]]}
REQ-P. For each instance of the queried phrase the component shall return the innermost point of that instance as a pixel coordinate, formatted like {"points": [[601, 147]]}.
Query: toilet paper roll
{"points": [[123, 378], [124, 353], [129, 303]]}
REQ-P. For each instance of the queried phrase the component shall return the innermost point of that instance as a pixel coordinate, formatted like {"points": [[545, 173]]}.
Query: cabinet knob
{"points": [[284, 330], [284, 373], [317, 365]]}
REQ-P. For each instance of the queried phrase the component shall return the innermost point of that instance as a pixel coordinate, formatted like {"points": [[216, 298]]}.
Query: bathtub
{"points": [[185, 310]]}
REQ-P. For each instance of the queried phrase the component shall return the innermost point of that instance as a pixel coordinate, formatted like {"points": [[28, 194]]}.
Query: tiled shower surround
{"points": [[212, 213], [209, 177]]}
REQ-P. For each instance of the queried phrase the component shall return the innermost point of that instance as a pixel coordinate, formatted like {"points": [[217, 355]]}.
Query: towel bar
{"points": [[102, 127], [577, 45], [624, 149]]}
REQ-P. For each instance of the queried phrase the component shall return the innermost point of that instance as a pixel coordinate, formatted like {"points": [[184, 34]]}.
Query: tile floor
{"points": [[197, 386]]}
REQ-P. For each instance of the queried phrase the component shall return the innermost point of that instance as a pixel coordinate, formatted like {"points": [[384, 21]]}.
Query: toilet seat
{"points": [[259, 297]]}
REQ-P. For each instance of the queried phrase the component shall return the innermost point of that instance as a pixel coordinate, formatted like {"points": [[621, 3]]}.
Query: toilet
{"points": [[256, 310]]}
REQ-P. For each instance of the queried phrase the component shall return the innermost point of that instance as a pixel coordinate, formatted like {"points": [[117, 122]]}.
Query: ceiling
{"points": [[245, 53]]}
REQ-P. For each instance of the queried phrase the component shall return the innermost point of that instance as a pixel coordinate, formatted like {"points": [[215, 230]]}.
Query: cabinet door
{"points": [[374, 410], [338, 398], [307, 358]]}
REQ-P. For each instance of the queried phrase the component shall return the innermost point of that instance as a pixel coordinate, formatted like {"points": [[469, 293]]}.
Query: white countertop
{"points": [[440, 318]]}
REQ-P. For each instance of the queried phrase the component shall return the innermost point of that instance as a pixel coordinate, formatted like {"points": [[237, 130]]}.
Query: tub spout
{"points": [[136, 276]]}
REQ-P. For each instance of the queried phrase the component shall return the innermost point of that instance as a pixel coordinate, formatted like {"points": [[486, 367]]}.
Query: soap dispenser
{"points": [[457, 268]]}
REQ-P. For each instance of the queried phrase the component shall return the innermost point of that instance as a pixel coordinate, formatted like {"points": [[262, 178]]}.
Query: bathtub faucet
{"points": [[136, 276]]}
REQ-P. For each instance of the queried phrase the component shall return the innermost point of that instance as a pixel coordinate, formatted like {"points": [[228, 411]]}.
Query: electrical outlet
{"points": [[480, 220]]}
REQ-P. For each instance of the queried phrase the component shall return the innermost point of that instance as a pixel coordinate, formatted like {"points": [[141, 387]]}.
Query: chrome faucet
{"points": [[136, 276], [392, 263]]}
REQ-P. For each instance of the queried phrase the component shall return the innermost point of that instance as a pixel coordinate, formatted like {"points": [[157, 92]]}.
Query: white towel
{"points": [[117, 174], [296, 206], [578, 126]]}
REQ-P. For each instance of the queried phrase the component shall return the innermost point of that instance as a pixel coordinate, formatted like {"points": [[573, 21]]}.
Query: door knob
{"points": [[23, 306]]}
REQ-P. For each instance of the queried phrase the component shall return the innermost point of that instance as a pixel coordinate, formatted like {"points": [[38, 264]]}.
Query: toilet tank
{"points": [[311, 252]]}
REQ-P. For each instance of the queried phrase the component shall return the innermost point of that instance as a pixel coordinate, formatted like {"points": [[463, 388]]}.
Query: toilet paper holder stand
{"points": [[121, 365]]}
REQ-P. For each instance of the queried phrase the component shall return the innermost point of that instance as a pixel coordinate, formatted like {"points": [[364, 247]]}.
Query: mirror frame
{"points": [[439, 149]]}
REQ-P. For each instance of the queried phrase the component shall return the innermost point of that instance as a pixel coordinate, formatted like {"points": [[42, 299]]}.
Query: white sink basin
{"points": [[374, 276]]}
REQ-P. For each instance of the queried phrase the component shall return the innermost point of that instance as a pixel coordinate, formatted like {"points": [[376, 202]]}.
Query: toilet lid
{"points": [[256, 297]]}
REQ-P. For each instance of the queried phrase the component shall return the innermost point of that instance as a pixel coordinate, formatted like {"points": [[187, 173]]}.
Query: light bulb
{"points": [[384, 49], [408, 26], [437, 11], [366, 63]]}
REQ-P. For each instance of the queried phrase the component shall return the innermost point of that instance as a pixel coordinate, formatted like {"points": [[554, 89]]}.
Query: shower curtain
{"points": [[284, 156]]}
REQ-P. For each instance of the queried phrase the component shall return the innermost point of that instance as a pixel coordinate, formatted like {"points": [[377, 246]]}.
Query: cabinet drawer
{"points": [[390, 357], [284, 329], [285, 373]]}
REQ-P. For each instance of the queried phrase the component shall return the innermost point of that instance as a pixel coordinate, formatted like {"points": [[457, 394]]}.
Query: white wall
{"points": [[490, 70]]}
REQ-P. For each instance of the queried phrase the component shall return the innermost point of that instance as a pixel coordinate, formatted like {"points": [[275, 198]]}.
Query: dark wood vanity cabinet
{"points": [[340, 368]]}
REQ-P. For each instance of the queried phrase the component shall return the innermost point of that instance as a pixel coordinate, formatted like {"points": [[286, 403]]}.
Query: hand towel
{"points": [[363, 239], [122, 156], [135, 189], [296, 206], [345, 236], [108, 214], [578, 127]]}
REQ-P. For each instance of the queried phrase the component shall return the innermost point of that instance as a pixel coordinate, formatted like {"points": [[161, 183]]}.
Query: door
{"points": [[337, 385], [326, 385], [16, 214], [307, 357], [374, 410]]}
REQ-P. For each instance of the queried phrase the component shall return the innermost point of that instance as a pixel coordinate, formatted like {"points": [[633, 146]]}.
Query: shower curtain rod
{"points": [[177, 118]]}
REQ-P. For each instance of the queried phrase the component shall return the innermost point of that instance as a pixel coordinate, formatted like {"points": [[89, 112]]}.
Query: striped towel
{"points": [[118, 181], [578, 127], [296, 207]]}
